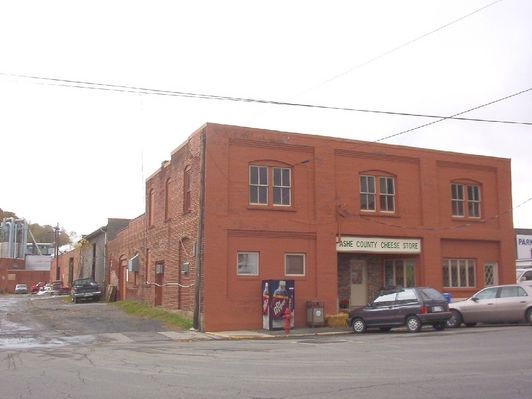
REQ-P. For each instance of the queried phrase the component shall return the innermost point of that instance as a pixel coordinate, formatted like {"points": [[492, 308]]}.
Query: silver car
{"points": [[21, 289], [499, 304]]}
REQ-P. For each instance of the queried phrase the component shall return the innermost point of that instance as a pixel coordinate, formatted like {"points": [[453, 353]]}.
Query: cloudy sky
{"points": [[75, 156]]}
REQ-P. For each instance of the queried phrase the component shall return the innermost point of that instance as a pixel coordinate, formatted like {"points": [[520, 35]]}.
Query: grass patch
{"points": [[150, 312]]}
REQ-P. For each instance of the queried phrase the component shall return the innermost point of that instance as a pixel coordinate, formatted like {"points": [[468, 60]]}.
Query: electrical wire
{"points": [[140, 90], [407, 43], [453, 116]]}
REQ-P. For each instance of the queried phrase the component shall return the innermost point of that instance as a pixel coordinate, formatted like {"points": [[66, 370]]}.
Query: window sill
{"points": [[466, 219], [271, 208], [379, 214]]}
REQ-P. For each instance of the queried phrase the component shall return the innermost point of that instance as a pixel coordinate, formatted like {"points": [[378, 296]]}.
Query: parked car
{"points": [[523, 275], [85, 288], [21, 289], [498, 304], [410, 307], [35, 288]]}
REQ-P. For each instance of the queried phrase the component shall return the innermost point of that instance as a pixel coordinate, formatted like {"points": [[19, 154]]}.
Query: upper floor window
{"points": [[259, 187], [187, 190], [465, 200], [167, 199], [377, 197], [151, 206]]}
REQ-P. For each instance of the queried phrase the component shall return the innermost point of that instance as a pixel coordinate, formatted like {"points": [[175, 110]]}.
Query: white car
{"points": [[509, 303], [523, 274], [21, 289]]}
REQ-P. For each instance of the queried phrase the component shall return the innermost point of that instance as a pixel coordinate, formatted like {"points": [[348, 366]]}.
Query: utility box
{"points": [[315, 314]]}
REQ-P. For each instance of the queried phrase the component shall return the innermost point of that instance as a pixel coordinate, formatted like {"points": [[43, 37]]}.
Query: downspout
{"points": [[199, 245]]}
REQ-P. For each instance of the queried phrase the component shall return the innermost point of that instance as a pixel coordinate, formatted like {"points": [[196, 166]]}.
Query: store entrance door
{"points": [[359, 283]]}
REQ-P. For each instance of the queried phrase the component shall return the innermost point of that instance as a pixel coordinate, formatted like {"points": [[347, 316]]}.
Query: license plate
{"points": [[437, 308]]}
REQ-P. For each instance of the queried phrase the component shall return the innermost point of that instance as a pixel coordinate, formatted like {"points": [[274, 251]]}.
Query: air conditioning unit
{"points": [[133, 264]]}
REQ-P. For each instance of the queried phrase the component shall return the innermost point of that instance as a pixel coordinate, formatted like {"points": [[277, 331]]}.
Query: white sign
{"points": [[524, 246], [379, 245]]}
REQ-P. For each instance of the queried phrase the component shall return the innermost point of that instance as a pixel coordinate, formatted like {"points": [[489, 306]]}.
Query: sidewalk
{"points": [[276, 334]]}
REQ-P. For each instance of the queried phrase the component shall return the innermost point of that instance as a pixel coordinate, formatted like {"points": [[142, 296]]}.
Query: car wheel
{"points": [[455, 320], [413, 324], [359, 325], [529, 316], [439, 326], [470, 324]]}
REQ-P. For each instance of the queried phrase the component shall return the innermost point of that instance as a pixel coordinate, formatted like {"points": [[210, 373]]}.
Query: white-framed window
{"points": [[294, 264], [367, 193], [465, 200], [458, 273], [387, 194], [247, 264], [384, 192], [282, 186], [260, 190], [399, 272], [258, 185]]}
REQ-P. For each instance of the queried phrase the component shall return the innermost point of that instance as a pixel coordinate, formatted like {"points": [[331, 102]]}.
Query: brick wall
{"points": [[325, 204]]}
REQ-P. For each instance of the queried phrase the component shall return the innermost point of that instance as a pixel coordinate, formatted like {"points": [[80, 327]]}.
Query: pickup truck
{"points": [[85, 288]]}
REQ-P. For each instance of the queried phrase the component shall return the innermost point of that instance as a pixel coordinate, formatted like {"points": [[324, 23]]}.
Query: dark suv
{"points": [[85, 288], [410, 307]]}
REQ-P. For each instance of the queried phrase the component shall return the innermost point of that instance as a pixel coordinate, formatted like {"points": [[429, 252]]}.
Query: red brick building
{"points": [[342, 218]]}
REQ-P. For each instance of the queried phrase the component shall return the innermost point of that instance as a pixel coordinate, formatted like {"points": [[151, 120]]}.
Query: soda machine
{"points": [[277, 297]]}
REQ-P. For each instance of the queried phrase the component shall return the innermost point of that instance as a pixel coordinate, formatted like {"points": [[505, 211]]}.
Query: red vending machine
{"points": [[277, 297]]}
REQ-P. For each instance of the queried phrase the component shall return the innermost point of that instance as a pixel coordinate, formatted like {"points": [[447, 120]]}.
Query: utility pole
{"points": [[56, 234]]}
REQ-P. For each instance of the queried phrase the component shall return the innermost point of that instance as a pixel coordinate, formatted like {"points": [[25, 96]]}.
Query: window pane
{"points": [[253, 175], [454, 274], [367, 193], [410, 274], [488, 293], [263, 175], [399, 273], [295, 264], [445, 273], [258, 185], [471, 274], [281, 186], [248, 263], [388, 274]]}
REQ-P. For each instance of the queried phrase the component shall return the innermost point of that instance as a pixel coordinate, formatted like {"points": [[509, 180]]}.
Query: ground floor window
{"points": [[248, 263], [294, 264], [399, 272], [490, 274], [458, 273]]}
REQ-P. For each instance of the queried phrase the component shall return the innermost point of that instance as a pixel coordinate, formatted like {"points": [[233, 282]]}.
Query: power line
{"points": [[141, 90], [453, 116], [407, 43]]}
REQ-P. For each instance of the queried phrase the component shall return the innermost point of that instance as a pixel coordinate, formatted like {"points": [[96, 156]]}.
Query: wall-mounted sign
{"points": [[524, 246], [379, 245]]}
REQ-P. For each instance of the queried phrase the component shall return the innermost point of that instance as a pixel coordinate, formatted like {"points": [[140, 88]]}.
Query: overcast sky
{"points": [[77, 156]]}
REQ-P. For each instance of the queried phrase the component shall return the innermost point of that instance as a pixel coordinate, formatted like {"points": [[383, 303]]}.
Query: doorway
{"points": [[358, 282]]}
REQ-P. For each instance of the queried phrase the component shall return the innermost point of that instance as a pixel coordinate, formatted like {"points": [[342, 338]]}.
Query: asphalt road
{"points": [[481, 362]]}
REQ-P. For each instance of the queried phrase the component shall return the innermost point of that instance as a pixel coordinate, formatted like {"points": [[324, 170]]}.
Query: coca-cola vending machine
{"points": [[277, 297]]}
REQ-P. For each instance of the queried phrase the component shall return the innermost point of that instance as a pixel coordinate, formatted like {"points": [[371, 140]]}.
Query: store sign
{"points": [[379, 245], [524, 246]]}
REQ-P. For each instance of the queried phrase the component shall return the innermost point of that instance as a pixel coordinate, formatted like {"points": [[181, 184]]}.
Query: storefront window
{"points": [[399, 272], [459, 273]]}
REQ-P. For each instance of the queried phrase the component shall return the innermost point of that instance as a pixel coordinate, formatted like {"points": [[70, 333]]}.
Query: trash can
{"points": [[448, 296], [315, 314]]}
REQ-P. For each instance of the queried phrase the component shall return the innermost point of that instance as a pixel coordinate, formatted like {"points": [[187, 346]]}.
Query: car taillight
{"points": [[423, 310]]}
